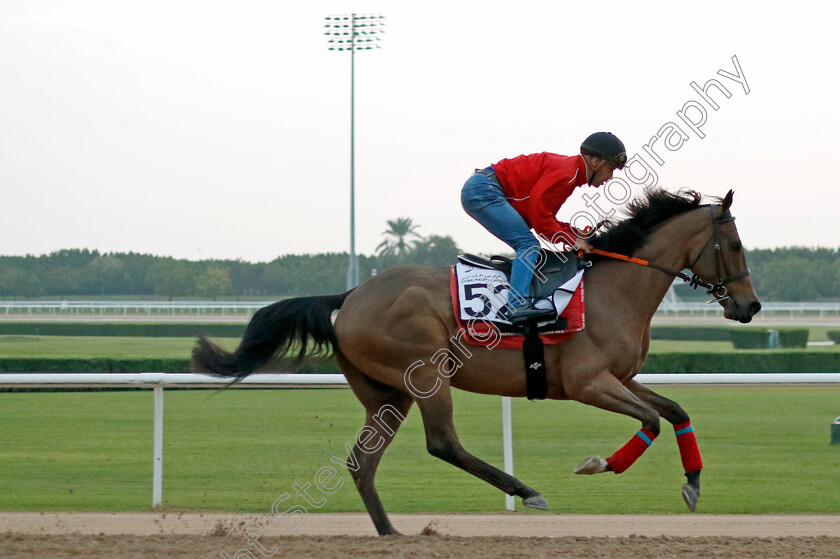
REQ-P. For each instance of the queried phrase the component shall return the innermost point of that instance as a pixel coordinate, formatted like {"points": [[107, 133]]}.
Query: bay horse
{"points": [[395, 339]]}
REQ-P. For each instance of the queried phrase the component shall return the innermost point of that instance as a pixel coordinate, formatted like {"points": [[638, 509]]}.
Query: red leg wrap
{"points": [[624, 457], [687, 441]]}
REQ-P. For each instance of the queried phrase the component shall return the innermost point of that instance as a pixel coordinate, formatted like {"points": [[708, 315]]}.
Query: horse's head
{"points": [[722, 263]]}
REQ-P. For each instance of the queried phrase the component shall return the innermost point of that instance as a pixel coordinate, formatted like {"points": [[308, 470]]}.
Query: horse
{"points": [[396, 341]]}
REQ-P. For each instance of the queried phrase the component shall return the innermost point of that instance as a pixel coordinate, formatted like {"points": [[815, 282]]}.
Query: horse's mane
{"points": [[644, 213]]}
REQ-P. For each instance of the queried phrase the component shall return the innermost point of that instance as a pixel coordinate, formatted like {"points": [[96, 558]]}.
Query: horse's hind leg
{"points": [[442, 442], [385, 408]]}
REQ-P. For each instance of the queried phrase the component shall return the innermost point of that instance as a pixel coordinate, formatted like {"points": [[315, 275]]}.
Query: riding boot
{"points": [[525, 313]]}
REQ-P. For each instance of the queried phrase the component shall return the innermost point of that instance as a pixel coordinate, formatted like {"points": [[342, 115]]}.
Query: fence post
{"points": [[507, 438], [157, 468]]}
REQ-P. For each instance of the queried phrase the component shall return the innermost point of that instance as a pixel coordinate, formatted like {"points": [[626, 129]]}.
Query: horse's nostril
{"points": [[755, 306]]}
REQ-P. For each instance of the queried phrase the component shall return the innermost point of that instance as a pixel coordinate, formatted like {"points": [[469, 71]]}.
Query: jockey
{"points": [[522, 193]]}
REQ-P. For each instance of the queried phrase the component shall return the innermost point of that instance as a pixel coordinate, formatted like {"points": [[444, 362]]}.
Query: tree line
{"points": [[789, 274], [782, 274], [83, 272]]}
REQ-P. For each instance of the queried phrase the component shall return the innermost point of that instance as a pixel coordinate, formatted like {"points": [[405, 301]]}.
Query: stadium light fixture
{"points": [[353, 32]]}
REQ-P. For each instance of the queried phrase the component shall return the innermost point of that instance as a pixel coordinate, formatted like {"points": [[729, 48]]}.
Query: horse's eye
{"points": [[735, 245]]}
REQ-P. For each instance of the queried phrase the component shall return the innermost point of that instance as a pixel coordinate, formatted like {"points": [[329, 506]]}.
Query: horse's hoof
{"points": [[690, 495], [535, 502], [391, 533], [592, 465]]}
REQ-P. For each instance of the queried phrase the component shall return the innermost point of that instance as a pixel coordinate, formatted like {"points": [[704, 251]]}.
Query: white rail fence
{"points": [[245, 309], [157, 382], [791, 309], [131, 308]]}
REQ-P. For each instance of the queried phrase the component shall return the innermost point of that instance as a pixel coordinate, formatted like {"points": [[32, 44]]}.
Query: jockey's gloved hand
{"points": [[583, 245]]}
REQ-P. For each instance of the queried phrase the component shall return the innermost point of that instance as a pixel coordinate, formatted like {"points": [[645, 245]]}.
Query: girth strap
{"points": [[536, 385]]}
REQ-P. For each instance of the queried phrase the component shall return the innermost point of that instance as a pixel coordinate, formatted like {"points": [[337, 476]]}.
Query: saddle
{"points": [[554, 272], [553, 269]]}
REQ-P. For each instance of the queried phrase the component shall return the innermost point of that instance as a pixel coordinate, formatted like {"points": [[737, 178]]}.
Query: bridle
{"points": [[718, 289]]}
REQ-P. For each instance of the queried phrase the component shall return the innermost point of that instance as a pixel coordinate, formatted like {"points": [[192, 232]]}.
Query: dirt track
{"points": [[191, 535]]}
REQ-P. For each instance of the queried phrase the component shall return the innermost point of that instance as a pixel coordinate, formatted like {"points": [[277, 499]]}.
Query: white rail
{"points": [[154, 380], [130, 308], [793, 309], [157, 381]]}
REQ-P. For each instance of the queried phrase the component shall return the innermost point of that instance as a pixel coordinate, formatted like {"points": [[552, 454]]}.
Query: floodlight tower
{"points": [[353, 32]]}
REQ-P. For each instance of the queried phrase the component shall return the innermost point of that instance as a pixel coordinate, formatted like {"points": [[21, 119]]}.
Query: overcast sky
{"points": [[202, 129]]}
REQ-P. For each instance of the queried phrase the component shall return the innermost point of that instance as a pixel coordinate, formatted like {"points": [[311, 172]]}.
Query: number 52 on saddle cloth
{"points": [[479, 289]]}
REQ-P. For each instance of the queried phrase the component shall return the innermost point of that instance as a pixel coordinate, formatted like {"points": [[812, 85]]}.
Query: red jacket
{"points": [[536, 186]]}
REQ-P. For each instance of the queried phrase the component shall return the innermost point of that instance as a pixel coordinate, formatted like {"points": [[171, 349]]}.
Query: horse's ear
{"points": [[727, 202]]}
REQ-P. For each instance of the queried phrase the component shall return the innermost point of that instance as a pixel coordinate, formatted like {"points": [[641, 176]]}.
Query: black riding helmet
{"points": [[605, 145]]}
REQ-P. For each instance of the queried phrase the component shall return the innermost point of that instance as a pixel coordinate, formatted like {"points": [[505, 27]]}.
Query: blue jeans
{"points": [[484, 200]]}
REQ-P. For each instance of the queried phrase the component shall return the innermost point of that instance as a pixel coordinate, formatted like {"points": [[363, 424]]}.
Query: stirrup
{"points": [[525, 314]]}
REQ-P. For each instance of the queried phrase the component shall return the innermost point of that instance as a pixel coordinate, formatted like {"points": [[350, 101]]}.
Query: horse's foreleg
{"points": [[606, 392], [442, 442], [686, 440]]}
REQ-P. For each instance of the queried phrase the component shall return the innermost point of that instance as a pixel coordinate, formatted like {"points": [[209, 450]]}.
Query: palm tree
{"points": [[396, 241]]}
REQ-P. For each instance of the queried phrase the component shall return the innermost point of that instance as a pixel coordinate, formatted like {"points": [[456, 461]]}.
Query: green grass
{"points": [[818, 333], [765, 449], [86, 347]]}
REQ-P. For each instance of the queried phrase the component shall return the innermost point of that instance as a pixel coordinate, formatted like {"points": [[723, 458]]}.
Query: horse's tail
{"points": [[273, 331]]}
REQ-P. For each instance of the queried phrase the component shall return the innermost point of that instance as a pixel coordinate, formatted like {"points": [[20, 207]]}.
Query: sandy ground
{"points": [[463, 536]]}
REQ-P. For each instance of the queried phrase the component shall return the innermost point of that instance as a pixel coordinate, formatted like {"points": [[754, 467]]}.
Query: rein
{"points": [[716, 290]]}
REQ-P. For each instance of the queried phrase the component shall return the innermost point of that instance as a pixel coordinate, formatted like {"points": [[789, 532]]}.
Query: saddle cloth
{"points": [[477, 292]]}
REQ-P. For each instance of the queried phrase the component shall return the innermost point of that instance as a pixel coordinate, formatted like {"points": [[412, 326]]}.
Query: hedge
{"points": [[133, 329], [758, 338], [834, 336], [742, 338], [779, 361], [750, 338], [690, 333], [793, 337], [104, 365]]}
